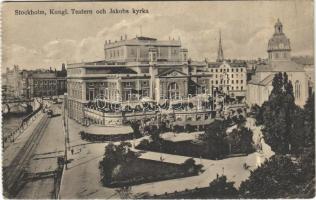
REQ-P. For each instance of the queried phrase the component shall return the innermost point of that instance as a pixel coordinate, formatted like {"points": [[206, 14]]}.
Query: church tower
{"points": [[279, 48], [220, 54]]}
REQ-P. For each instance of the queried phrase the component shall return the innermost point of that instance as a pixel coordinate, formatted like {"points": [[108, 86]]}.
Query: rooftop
{"points": [[142, 40], [280, 66]]}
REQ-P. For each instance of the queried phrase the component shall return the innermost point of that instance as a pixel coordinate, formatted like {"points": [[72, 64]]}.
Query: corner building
{"points": [[133, 69]]}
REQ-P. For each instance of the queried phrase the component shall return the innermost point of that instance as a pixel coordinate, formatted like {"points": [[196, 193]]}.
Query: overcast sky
{"points": [[44, 41]]}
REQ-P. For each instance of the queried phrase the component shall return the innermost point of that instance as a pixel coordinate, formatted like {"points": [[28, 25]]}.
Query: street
{"points": [[36, 151], [45, 159]]}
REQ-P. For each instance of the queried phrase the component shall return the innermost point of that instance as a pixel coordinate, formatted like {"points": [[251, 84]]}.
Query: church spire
{"points": [[220, 54], [278, 27]]}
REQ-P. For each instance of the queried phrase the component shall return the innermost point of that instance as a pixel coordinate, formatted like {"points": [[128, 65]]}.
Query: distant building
{"points": [[14, 82], [35, 83], [227, 76], [308, 64], [230, 77], [48, 83], [279, 60]]}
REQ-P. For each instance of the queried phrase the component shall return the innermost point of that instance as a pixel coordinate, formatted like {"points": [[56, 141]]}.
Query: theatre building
{"points": [[134, 70]]}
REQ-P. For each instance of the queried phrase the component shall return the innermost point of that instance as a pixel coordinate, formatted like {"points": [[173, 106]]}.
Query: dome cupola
{"points": [[279, 45]]}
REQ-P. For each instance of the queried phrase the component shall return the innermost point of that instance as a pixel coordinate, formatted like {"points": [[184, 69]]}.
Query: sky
{"points": [[38, 41]]}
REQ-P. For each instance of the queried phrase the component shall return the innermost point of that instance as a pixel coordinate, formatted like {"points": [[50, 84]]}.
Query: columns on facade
{"points": [[83, 91], [185, 87], [165, 89], [119, 94]]}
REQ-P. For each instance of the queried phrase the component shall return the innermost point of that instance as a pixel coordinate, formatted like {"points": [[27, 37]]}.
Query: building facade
{"points": [[47, 85], [279, 60], [14, 83], [145, 69], [229, 76], [35, 83]]}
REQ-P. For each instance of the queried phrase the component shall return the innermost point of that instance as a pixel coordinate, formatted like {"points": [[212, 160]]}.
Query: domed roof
{"points": [[279, 41]]}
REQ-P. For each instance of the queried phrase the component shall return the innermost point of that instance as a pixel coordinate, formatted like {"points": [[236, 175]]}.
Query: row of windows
{"points": [[45, 86], [115, 53], [104, 93], [232, 76], [279, 55], [228, 82], [130, 84], [44, 82], [98, 84], [45, 93], [128, 94], [233, 88], [224, 70]]}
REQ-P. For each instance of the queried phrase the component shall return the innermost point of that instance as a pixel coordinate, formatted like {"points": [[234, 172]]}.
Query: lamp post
{"points": [[65, 131], [65, 143]]}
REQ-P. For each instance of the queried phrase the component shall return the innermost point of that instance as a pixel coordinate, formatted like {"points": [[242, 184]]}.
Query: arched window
{"points": [[297, 90], [173, 91]]}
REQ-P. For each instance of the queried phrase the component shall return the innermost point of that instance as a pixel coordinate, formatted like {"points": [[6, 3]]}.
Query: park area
{"points": [[218, 141], [122, 167]]}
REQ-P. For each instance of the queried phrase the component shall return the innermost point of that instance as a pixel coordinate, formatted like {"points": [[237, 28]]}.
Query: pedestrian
{"points": [[72, 151]]}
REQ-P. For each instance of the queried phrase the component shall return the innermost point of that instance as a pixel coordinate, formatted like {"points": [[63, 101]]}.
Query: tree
{"points": [[155, 134], [221, 188], [114, 155], [190, 166], [279, 115], [214, 138], [135, 125], [273, 179], [309, 121], [144, 143]]}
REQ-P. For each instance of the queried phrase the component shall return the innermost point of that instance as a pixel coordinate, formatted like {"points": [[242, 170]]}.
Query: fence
{"points": [[24, 124], [57, 181], [148, 179], [104, 138], [177, 194]]}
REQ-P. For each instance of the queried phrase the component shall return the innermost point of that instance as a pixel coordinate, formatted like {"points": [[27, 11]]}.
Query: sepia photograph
{"points": [[158, 100]]}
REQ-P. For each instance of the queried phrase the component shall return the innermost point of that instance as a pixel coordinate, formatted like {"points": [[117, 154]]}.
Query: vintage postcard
{"points": [[158, 100]]}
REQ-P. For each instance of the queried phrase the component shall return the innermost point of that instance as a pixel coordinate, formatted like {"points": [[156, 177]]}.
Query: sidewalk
{"points": [[12, 150], [232, 168], [108, 130]]}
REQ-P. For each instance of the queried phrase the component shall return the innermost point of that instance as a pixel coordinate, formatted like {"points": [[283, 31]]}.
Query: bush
{"points": [[144, 144], [221, 188], [276, 178]]}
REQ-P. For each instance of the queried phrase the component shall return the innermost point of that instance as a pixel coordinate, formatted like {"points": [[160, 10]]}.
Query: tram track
{"points": [[13, 174]]}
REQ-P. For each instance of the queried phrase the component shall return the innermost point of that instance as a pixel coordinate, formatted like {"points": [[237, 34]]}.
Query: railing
{"points": [[21, 128], [16, 101]]}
